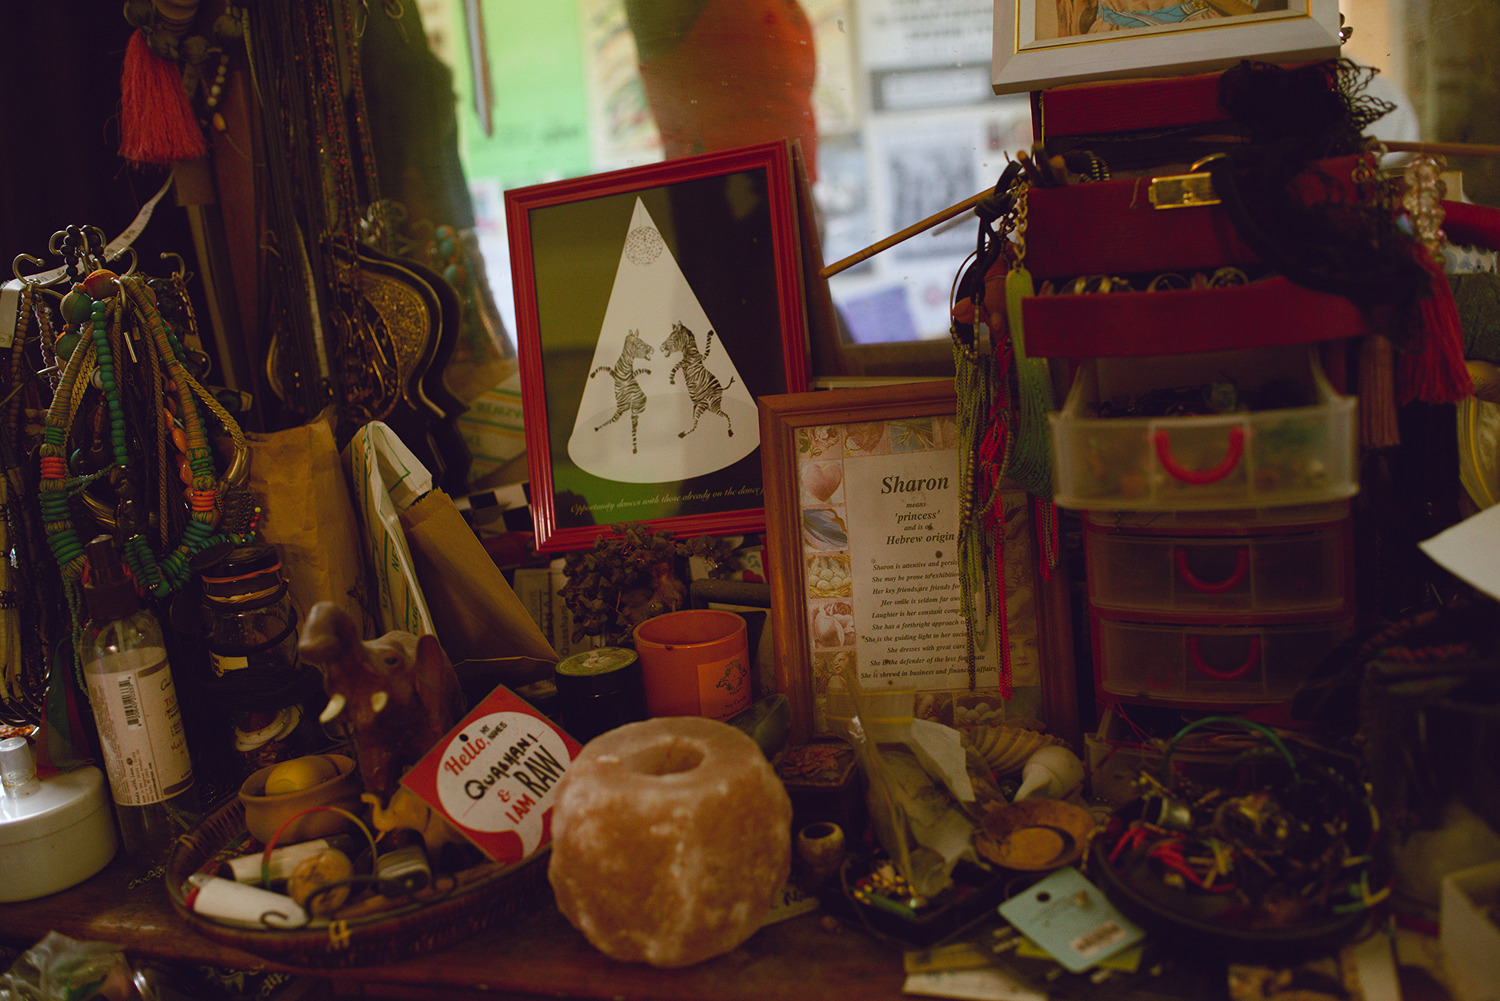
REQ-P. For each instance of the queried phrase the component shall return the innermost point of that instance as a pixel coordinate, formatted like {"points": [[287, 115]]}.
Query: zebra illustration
{"points": [[706, 393], [628, 394]]}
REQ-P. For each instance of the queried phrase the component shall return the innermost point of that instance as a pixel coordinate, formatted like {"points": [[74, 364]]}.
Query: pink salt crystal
{"points": [[669, 839]]}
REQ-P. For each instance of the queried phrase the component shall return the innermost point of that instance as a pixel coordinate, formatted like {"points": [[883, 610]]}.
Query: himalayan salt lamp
{"points": [[669, 839]]}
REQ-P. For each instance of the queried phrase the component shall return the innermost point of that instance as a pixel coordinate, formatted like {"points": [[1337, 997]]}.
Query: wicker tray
{"points": [[483, 895]]}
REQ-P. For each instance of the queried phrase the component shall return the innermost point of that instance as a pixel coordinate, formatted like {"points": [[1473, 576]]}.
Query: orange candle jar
{"points": [[695, 663]]}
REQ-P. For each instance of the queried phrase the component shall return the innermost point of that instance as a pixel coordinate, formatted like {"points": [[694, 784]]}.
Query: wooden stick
{"points": [[1445, 149], [828, 271], [905, 234]]}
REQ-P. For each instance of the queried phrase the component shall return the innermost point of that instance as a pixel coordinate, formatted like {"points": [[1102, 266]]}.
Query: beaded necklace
{"points": [[24, 584], [99, 307]]}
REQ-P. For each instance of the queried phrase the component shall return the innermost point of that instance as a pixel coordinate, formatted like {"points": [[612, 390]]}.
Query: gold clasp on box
{"points": [[1181, 191]]}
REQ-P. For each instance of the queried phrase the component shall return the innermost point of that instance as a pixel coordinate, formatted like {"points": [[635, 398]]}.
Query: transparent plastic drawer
{"points": [[1209, 665], [1292, 573], [1275, 457]]}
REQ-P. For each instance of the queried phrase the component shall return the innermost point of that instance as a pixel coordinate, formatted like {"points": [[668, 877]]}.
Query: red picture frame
{"points": [[627, 418]]}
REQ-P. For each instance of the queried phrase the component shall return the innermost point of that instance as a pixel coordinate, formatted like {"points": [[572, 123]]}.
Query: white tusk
{"points": [[334, 707], [378, 701]]}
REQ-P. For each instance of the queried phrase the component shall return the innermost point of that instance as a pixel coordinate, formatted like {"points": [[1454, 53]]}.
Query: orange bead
{"points": [[100, 284]]}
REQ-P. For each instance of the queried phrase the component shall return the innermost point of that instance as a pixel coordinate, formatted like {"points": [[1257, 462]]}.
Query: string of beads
{"points": [[97, 309]]}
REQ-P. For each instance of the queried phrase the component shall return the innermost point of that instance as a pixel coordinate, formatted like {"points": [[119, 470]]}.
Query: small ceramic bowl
{"points": [[1035, 835], [264, 814]]}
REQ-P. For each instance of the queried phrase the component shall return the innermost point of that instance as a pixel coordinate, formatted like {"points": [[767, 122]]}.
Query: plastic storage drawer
{"points": [[1295, 455], [1302, 573], [1209, 664]]}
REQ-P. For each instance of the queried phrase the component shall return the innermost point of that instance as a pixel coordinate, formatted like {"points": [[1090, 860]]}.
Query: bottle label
{"points": [[223, 664], [140, 727]]}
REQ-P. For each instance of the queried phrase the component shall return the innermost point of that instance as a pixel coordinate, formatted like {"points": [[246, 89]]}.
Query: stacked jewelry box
{"points": [[1204, 437]]}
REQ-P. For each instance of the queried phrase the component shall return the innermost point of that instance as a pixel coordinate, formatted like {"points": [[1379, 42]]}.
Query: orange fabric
{"points": [[742, 74]]}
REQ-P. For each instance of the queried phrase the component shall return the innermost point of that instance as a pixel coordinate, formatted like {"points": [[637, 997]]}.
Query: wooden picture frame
{"points": [[1038, 44], [862, 508], [654, 305]]}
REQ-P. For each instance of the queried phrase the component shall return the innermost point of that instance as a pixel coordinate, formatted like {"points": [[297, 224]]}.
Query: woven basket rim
{"points": [[494, 891]]}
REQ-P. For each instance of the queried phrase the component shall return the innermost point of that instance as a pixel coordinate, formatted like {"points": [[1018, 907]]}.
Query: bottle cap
{"points": [[18, 767], [109, 591], [243, 574]]}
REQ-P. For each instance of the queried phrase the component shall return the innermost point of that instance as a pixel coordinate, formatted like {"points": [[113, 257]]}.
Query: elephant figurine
{"points": [[395, 696]]}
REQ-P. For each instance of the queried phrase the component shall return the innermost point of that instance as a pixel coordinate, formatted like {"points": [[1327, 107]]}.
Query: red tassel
{"points": [[1435, 373], [157, 124]]}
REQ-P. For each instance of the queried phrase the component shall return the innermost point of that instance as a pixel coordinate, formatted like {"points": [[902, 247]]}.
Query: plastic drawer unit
{"points": [[1241, 459], [1209, 665], [1165, 568]]}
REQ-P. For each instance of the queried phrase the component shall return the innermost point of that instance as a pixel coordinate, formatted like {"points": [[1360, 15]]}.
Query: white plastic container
{"points": [[1283, 572], [1470, 936], [54, 832], [1209, 664], [1242, 459]]}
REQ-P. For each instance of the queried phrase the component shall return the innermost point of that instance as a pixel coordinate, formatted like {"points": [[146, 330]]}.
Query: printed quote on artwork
{"points": [[885, 598]]}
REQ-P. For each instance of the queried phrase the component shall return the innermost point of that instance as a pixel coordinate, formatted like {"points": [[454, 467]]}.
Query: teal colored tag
{"points": [[1071, 919]]}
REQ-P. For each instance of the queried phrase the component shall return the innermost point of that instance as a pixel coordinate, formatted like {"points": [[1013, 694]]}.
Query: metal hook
{"points": [[15, 267], [181, 274], [134, 260]]}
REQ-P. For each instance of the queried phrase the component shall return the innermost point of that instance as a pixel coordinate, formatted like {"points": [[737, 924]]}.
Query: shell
{"points": [[1005, 748]]}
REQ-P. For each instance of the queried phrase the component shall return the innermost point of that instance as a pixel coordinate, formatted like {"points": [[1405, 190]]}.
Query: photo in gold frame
{"points": [[1040, 44], [862, 509]]}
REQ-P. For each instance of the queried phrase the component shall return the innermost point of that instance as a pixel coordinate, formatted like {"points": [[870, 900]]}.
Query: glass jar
{"points": [[251, 619], [252, 652]]}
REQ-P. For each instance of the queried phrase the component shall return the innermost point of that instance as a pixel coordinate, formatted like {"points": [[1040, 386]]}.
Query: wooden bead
{"points": [[101, 284]]}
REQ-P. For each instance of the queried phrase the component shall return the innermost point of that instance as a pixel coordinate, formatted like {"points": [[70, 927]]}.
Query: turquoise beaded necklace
{"points": [[96, 309]]}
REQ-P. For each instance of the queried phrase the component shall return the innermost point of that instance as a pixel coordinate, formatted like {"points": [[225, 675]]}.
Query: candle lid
{"points": [[598, 672]]}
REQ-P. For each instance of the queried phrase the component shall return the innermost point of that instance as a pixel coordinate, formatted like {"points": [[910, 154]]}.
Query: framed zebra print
{"points": [[654, 306], [1040, 44]]}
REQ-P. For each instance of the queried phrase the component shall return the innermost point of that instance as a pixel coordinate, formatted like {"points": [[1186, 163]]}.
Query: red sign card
{"points": [[495, 776]]}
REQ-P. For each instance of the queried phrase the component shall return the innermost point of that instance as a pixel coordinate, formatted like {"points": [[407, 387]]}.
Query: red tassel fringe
{"points": [[157, 124], [1435, 373]]}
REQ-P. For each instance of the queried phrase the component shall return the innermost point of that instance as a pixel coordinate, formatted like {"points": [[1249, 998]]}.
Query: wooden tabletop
{"points": [[535, 953], [532, 955]]}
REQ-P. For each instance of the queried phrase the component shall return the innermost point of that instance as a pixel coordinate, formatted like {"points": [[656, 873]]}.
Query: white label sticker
{"points": [[140, 728]]}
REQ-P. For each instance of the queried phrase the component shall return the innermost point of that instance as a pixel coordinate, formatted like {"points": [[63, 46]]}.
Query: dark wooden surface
{"points": [[535, 954]]}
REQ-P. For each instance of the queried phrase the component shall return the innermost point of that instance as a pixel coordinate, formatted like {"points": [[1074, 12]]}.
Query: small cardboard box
{"points": [[1469, 933]]}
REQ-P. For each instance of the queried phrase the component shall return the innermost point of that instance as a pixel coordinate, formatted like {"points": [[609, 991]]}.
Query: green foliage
{"points": [[632, 574]]}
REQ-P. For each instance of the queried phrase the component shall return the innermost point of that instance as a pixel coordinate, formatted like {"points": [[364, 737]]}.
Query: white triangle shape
{"points": [[639, 406]]}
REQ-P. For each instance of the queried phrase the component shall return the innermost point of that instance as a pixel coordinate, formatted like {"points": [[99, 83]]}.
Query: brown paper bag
{"points": [[298, 480], [485, 630]]}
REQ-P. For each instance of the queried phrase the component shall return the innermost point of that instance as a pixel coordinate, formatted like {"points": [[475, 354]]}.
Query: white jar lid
{"points": [[58, 803]]}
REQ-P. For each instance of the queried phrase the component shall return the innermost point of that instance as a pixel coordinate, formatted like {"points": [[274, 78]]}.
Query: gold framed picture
{"points": [[1041, 44], [863, 505]]}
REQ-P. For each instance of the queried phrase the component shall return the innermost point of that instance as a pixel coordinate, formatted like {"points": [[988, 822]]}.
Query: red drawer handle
{"points": [[1199, 477], [1235, 578], [1196, 656]]}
